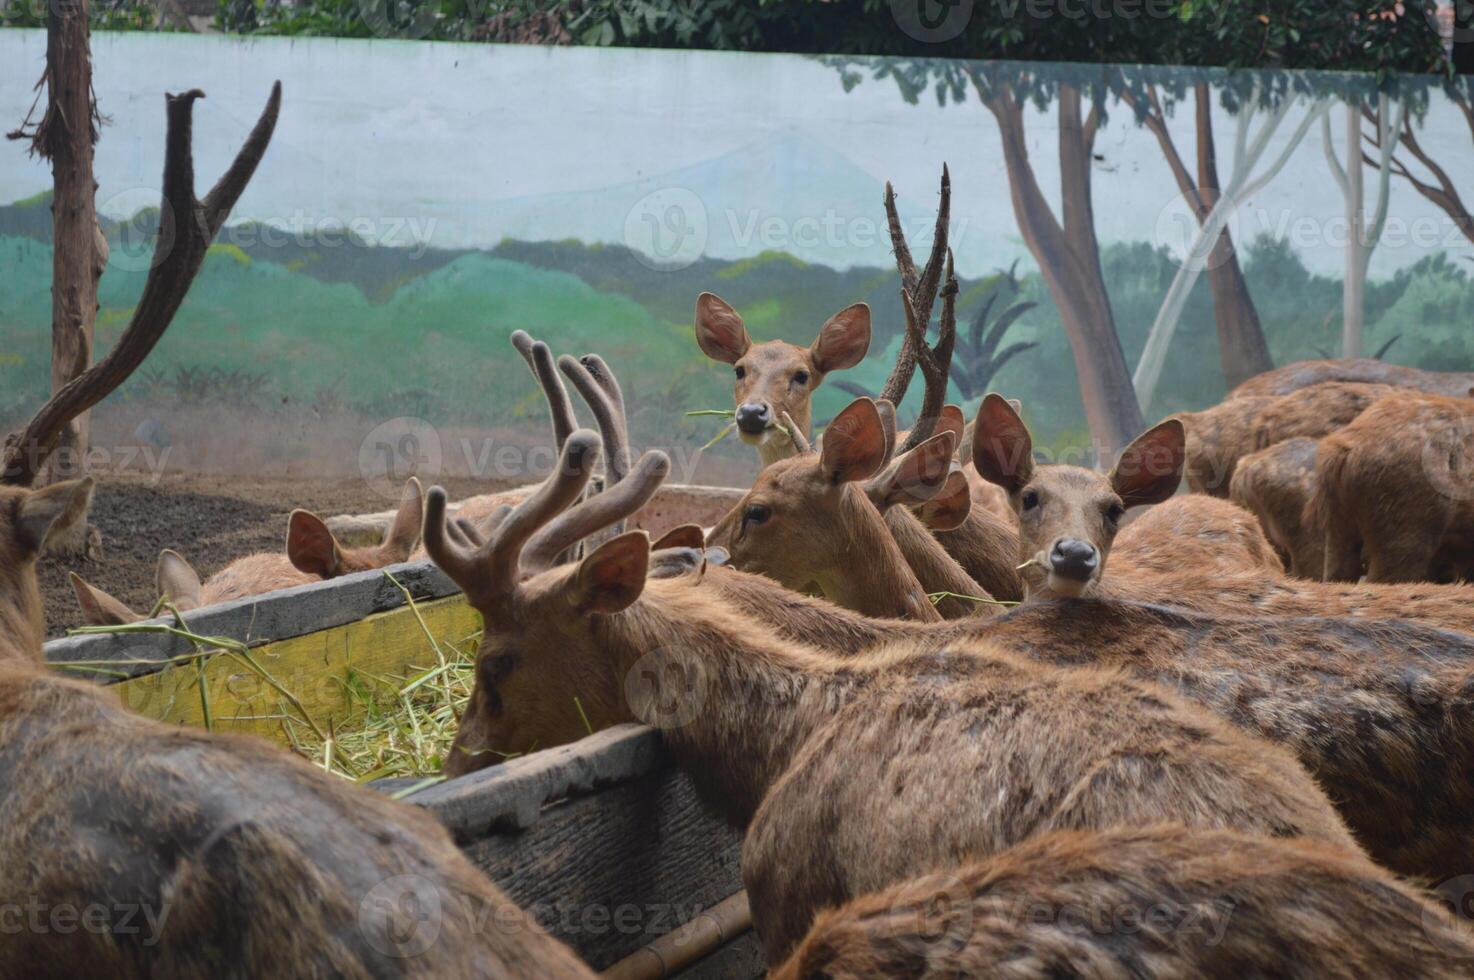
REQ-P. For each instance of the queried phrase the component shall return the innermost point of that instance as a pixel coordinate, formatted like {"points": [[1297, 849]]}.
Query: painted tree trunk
{"points": [[1242, 350], [1357, 246], [1069, 262]]}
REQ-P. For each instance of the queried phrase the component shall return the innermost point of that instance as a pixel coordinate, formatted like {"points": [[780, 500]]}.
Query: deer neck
{"points": [[22, 617], [804, 619], [936, 570], [874, 579], [732, 701]]}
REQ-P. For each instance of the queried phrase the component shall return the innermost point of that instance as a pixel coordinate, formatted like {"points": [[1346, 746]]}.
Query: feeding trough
{"points": [[602, 839]]}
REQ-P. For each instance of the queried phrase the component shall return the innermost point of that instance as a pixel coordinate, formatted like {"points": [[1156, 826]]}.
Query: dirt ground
{"points": [[210, 519]]}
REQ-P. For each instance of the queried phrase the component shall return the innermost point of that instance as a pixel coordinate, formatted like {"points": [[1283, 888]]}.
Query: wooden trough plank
{"points": [[315, 668], [610, 872], [604, 840], [263, 619]]}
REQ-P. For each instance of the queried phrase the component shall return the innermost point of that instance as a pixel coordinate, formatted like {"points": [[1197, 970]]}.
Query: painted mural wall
{"points": [[422, 201]]}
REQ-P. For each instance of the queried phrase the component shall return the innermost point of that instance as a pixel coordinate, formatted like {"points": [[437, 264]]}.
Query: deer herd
{"points": [[976, 714]]}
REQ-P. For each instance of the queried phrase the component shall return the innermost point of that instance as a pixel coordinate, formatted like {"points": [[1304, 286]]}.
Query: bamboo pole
{"points": [[678, 949]]}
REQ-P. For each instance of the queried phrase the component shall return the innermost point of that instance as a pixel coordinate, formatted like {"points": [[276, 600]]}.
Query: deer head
{"points": [[541, 619], [809, 519], [1068, 516], [777, 378], [312, 549], [27, 519]]}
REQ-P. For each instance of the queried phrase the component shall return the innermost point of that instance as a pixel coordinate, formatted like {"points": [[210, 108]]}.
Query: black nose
{"points": [[1073, 558], [753, 418]]}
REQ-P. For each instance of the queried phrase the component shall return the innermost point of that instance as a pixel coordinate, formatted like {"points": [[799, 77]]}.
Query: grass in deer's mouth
{"points": [[726, 430]]}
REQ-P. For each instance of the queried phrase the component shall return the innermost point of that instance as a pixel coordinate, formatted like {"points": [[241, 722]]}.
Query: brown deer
{"points": [[1394, 491], [312, 555], [1302, 374], [179, 853], [1314, 411], [1277, 485], [1069, 503], [1216, 439], [1376, 710], [807, 519], [814, 752], [1138, 903], [776, 378]]}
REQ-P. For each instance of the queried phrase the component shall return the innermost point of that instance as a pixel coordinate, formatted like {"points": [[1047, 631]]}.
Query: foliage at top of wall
{"points": [[1379, 36]]}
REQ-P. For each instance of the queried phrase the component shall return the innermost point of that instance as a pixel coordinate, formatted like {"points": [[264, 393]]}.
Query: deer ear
{"points": [[176, 581], [99, 608], [1002, 449], [951, 419], [950, 507], [719, 329], [613, 577], [52, 510], [684, 536], [854, 443], [404, 533], [311, 547], [1150, 469], [917, 475], [843, 340]]}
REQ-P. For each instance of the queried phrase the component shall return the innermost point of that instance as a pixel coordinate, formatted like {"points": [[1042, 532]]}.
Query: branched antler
{"points": [[920, 287], [186, 228], [935, 361]]}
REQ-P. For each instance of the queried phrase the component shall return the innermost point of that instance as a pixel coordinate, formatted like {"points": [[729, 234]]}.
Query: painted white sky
{"points": [[451, 141]]}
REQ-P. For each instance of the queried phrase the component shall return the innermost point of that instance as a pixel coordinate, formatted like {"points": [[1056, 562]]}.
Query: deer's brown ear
{"points": [[311, 547], [951, 419], [613, 577], [719, 330], [684, 536], [404, 533], [1002, 449], [950, 507], [843, 340], [177, 581], [52, 510], [99, 608], [916, 476], [854, 443], [1150, 469]]}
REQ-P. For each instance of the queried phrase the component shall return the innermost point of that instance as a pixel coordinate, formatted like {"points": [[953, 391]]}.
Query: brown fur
{"points": [[1134, 903], [1302, 374], [1217, 438], [1194, 530], [1378, 711], [1314, 411], [1394, 491], [973, 748], [250, 860], [777, 374], [807, 520], [1277, 485]]}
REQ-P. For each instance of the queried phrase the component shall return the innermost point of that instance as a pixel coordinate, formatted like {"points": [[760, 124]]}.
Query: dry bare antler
{"points": [[922, 286], [935, 360], [919, 292], [177, 259]]}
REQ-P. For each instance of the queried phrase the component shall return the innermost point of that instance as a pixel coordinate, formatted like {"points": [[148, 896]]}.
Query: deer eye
{"points": [[1115, 513], [1030, 499], [756, 514], [740, 371], [800, 377]]}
